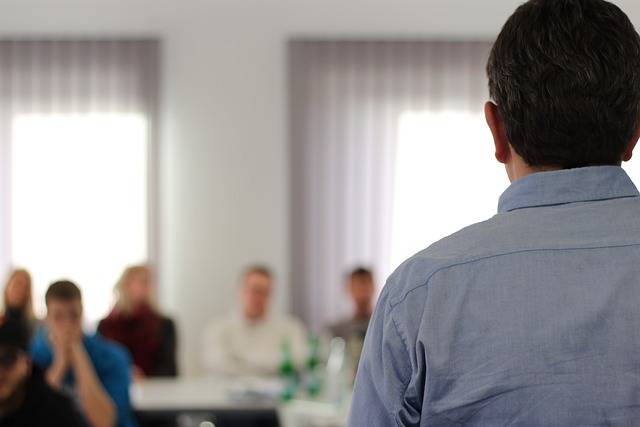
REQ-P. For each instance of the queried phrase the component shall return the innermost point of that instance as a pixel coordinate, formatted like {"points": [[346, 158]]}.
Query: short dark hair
{"points": [[361, 272], [63, 290], [565, 75], [14, 333]]}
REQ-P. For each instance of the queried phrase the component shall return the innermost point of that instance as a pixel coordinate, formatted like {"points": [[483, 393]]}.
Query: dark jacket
{"points": [[42, 406]]}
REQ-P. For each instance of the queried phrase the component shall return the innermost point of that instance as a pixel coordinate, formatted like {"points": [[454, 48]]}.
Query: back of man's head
{"points": [[565, 75]]}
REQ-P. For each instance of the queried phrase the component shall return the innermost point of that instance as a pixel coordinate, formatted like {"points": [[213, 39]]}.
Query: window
{"points": [[375, 128], [390, 153], [432, 145], [78, 126], [79, 201], [452, 144]]}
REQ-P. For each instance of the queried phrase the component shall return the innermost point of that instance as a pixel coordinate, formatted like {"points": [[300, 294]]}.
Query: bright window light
{"points": [[633, 167], [79, 201], [446, 178]]}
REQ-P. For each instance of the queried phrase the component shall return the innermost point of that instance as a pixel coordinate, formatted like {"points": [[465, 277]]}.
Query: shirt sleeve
{"points": [[40, 350], [116, 380], [384, 374]]}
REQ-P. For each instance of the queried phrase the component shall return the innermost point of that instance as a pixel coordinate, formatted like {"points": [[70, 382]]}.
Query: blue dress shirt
{"points": [[111, 362], [531, 318]]}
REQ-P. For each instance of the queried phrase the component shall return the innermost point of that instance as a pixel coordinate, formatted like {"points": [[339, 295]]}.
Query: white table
{"points": [[193, 394], [237, 402]]}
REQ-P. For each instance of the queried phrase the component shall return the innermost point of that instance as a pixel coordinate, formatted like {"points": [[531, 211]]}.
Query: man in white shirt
{"points": [[255, 341]]}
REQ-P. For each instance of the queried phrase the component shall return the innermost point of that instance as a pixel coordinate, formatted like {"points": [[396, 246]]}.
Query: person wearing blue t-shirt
{"points": [[95, 372]]}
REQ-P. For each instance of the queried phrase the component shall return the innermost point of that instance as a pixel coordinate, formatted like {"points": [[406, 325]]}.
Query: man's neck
{"points": [[517, 168], [363, 313], [255, 320]]}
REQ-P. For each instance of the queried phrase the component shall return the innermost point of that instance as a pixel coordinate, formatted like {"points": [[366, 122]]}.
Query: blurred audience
{"points": [[26, 400], [18, 300], [95, 372], [361, 288], [135, 323], [255, 340]]}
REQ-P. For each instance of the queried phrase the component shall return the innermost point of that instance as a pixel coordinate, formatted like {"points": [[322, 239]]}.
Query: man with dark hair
{"points": [[530, 318], [95, 372], [361, 289], [26, 400], [255, 340]]}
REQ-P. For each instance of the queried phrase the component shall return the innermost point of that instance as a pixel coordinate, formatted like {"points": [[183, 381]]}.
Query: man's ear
{"points": [[496, 125], [628, 153]]}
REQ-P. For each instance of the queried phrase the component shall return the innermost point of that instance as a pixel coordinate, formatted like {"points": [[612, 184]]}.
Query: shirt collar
{"points": [[567, 186]]}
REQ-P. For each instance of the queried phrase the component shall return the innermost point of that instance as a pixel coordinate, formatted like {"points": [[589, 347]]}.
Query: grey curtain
{"points": [[76, 76], [346, 98]]}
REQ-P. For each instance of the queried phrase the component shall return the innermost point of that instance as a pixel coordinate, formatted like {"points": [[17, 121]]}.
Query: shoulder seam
{"points": [[404, 295]]}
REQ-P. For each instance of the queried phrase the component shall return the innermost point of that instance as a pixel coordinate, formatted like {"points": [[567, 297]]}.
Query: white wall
{"points": [[224, 166]]}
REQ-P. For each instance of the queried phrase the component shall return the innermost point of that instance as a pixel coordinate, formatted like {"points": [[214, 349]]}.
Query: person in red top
{"points": [[135, 323]]}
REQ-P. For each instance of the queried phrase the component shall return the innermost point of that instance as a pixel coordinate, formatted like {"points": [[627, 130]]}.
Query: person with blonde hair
{"points": [[18, 299], [135, 323]]}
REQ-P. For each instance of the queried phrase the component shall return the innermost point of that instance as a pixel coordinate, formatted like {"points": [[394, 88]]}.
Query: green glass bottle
{"points": [[313, 380], [288, 373]]}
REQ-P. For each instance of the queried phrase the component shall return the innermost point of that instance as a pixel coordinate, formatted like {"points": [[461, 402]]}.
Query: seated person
{"points": [[18, 301], [254, 341], [136, 324], [26, 400], [362, 289], [94, 371]]}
